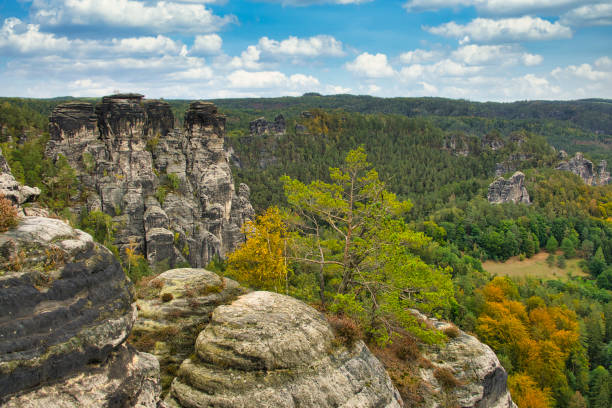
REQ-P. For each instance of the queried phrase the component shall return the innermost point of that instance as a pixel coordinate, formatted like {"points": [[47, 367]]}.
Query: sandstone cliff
{"points": [[509, 191], [591, 175], [170, 191]]}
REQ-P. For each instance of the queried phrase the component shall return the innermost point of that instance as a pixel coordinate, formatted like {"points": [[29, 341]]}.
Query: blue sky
{"points": [[484, 50]]}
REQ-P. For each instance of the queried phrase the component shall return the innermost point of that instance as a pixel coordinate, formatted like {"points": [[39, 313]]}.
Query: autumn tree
{"points": [[260, 261], [352, 229]]}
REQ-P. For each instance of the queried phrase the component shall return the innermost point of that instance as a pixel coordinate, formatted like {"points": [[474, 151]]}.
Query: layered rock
{"points": [[170, 191], [266, 349], [481, 379], [509, 191], [173, 308], [584, 168], [261, 127], [66, 313]]}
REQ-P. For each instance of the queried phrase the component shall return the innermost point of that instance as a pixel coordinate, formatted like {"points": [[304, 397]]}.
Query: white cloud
{"points": [[473, 54], [248, 59], [589, 15], [158, 17], [336, 90], [417, 56], [504, 30], [203, 72], [320, 45], [270, 79], [17, 37], [412, 72], [146, 45], [501, 7], [304, 3], [583, 71], [604, 63], [207, 44], [370, 66]]}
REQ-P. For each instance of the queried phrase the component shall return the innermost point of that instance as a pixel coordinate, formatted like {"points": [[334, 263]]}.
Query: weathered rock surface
{"points": [[66, 312], [270, 350], [512, 190], [584, 168], [482, 379], [11, 189], [261, 127], [173, 308], [493, 142], [169, 190]]}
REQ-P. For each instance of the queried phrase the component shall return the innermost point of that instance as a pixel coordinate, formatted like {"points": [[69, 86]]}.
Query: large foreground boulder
{"points": [[270, 350], [66, 312]]}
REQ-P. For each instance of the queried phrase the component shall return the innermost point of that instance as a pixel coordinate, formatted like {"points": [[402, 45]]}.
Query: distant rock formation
{"points": [[511, 190], [170, 191], [585, 169], [459, 145], [481, 378], [493, 142], [261, 127], [270, 350]]}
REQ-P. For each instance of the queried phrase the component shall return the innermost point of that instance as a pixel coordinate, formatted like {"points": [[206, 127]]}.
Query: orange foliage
{"points": [[526, 393]]}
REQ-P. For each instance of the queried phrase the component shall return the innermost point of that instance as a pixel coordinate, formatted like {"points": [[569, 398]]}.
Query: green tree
{"points": [[597, 263], [353, 227], [552, 244], [599, 388], [568, 247]]}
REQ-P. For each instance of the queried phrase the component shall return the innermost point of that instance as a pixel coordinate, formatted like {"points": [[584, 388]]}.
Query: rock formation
{"points": [[270, 350], [261, 127], [172, 310], [66, 313], [493, 141], [511, 190], [170, 191], [457, 144], [585, 169], [481, 378], [11, 189]]}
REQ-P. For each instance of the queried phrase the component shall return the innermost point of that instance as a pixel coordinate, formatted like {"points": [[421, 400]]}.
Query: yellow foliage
{"points": [[526, 393], [260, 261]]}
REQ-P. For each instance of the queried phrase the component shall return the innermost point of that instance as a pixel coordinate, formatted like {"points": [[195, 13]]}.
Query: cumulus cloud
{"points": [[418, 56], [483, 30], [17, 37], [473, 54], [583, 71], [304, 3], [444, 68], [370, 66], [248, 59], [159, 17], [501, 7], [589, 15], [206, 44], [270, 79], [320, 45]]}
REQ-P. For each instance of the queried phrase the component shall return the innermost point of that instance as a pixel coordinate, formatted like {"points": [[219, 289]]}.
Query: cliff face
{"points": [[509, 191], [590, 174], [170, 191]]}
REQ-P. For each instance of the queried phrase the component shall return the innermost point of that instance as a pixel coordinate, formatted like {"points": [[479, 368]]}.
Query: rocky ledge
{"points": [[270, 350], [509, 191], [67, 310]]}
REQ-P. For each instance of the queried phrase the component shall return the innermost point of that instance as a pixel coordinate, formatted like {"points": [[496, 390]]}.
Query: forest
{"points": [[424, 166]]}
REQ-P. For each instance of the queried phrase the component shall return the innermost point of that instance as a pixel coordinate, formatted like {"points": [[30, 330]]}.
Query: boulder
{"points": [[11, 189], [481, 379], [509, 191], [173, 308], [267, 349], [169, 190], [66, 313]]}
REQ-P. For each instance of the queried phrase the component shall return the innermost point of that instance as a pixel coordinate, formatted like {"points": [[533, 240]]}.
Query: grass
{"points": [[535, 267]]}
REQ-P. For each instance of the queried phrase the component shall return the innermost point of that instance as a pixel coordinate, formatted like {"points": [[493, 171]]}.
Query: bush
{"points": [[446, 377], [166, 297], [407, 348], [347, 331], [451, 331], [8, 214]]}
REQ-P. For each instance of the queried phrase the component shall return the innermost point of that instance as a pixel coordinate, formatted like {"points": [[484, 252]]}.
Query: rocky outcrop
{"points": [[458, 144], [584, 168], [266, 349], [480, 378], [261, 127], [66, 313], [493, 142], [509, 191], [170, 191], [11, 189], [173, 308]]}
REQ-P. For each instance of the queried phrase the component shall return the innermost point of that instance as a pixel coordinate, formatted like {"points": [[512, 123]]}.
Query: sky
{"points": [[480, 50]]}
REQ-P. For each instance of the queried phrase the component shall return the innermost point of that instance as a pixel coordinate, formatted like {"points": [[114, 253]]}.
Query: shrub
{"points": [[446, 378], [347, 331], [8, 214], [166, 297], [451, 331], [406, 348]]}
